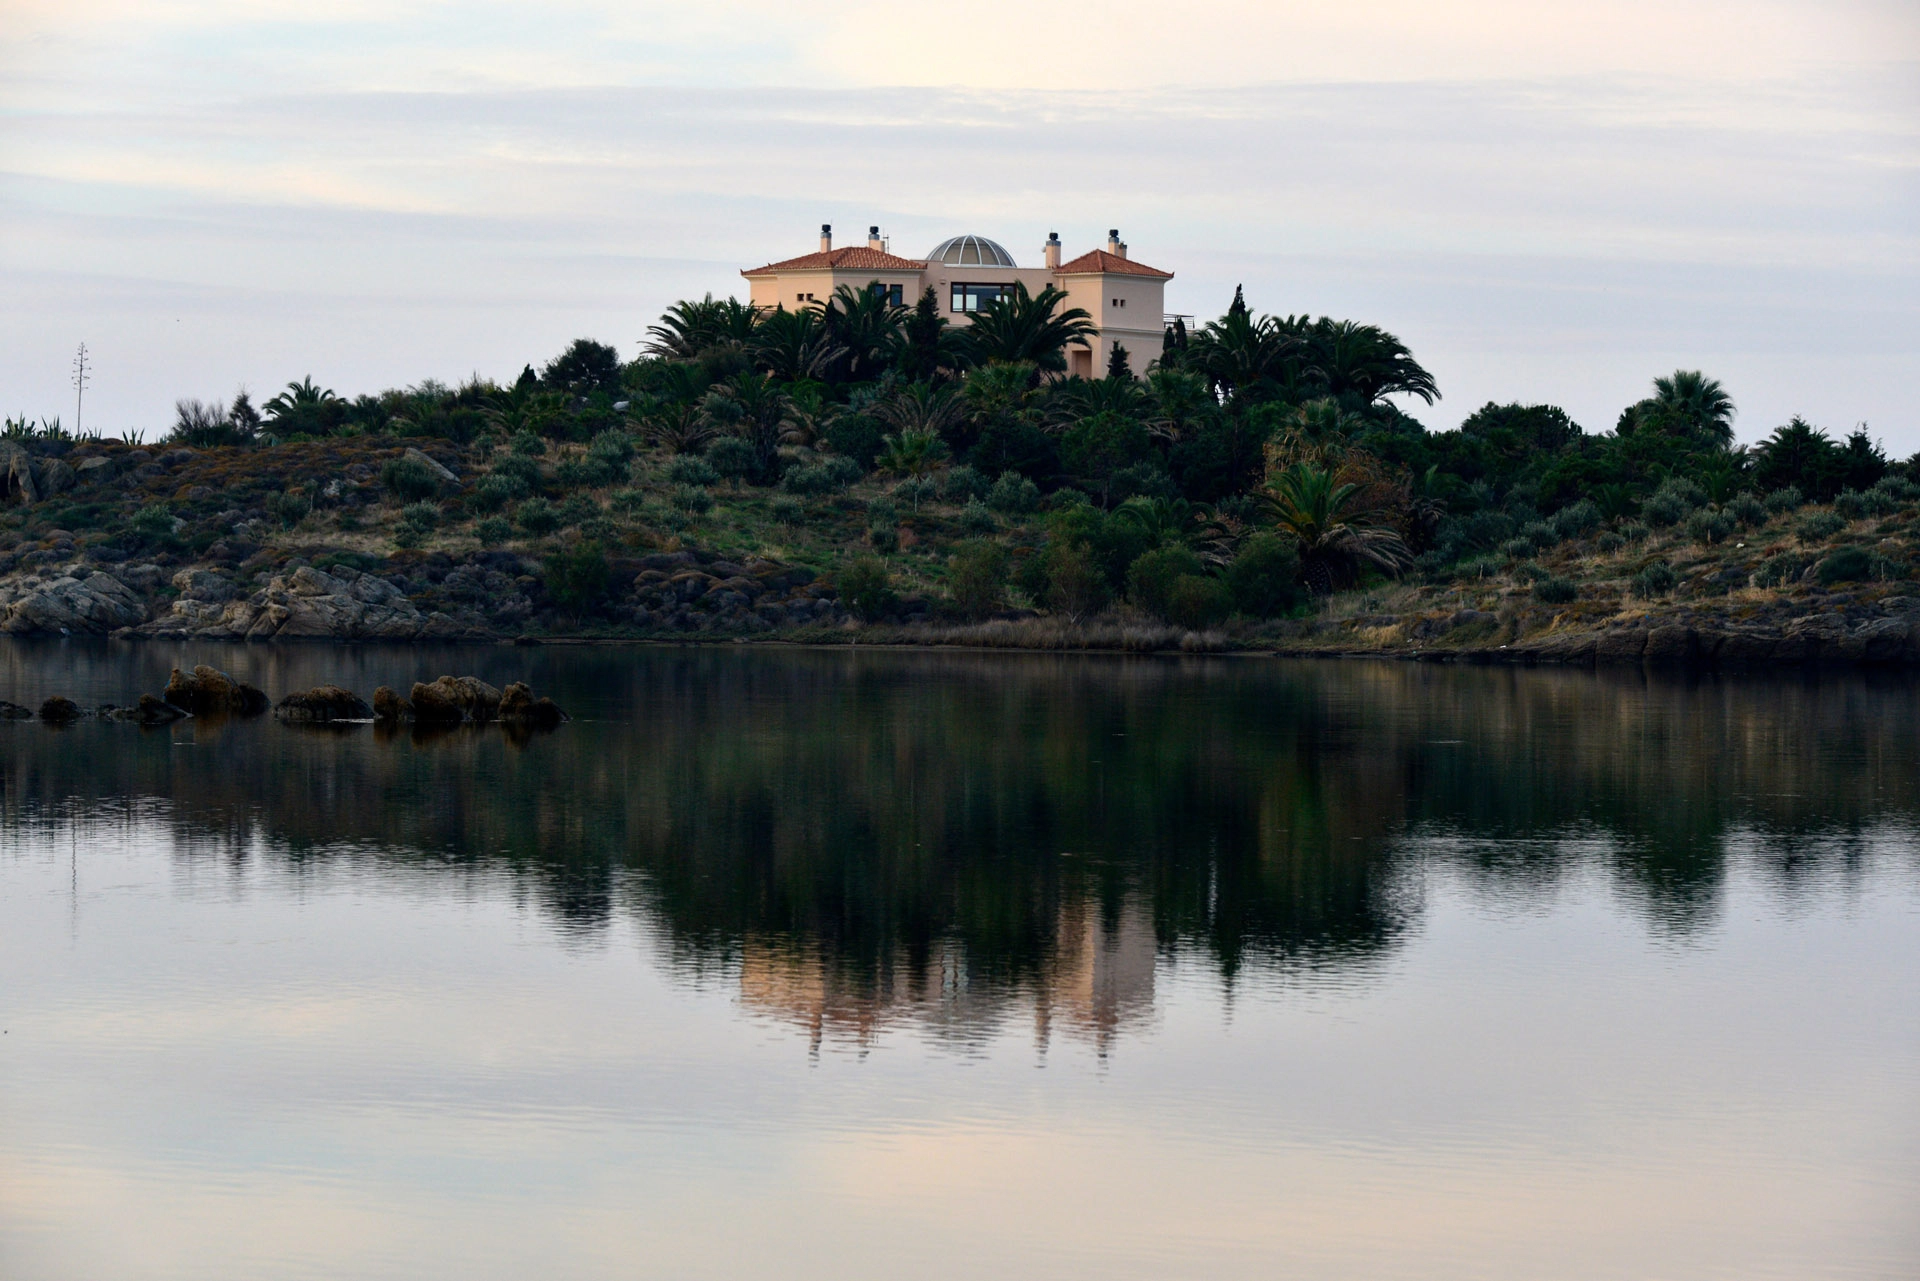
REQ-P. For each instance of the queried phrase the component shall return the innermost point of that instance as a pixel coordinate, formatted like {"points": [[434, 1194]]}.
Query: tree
{"points": [[865, 324], [1698, 402], [977, 577], [911, 452], [753, 408], [1517, 430], [586, 366], [1336, 536], [1019, 327], [929, 347], [689, 329], [794, 345], [1118, 370], [1364, 364], [305, 408], [1242, 355], [1801, 455], [922, 408]]}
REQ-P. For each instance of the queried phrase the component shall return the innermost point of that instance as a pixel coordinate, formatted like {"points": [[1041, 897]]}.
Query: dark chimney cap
{"points": [[873, 230], [826, 229], [1053, 235], [1113, 233]]}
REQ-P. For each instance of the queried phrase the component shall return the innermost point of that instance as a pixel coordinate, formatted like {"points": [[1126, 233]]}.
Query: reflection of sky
{"points": [[1547, 202], [218, 1069]]}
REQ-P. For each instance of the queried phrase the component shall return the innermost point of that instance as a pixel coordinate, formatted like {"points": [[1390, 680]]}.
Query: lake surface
{"points": [[829, 964]]}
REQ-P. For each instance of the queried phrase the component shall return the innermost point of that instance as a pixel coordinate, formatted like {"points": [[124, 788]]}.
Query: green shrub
{"points": [[691, 469], [1878, 502], [1539, 534], [1779, 569], [1707, 526], [409, 536], [1847, 505], [613, 447], [1656, 579], [811, 479], [1782, 501], [577, 510], [1014, 495], [493, 531], [977, 577], [536, 516], [1747, 511], [856, 438], [916, 490], [963, 484], [733, 458], [787, 509], [526, 444], [408, 480], [977, 518], [1517, 548], [1663, 510], [1152, 576], [1609, 541], [1075, 585], [1577, 519], [1555, 591], [881, 511], [866, 588], [884, 538], [576, 576], [584, 473], [520, 469], [290, 508], [1264, 576], [628, 500], [420, 516], [1818, 527], [691, 499], [494, 492], [1898, 488], [1634, 532], [155, 521], [1198, 601], [1853, 565]]}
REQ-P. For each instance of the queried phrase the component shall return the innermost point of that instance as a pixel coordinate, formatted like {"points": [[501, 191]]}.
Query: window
{"points": [[1119, 302], [889, 293], [968, 298]]}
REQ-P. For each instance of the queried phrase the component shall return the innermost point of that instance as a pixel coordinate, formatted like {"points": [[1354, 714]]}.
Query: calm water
{"points": [[814, 964]]}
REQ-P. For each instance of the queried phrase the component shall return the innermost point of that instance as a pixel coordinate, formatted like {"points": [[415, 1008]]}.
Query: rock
{"points": [[149, 711], [14, 712], [323, 703], [451, 699], [16, 475], [519, 706], [59, 711], [1671, 643], [209, 689], [439, 472], [1741, 647], [91, 471], [98, 603], [390, 707], [1620, 645], [1885, 640], [55, 477]]}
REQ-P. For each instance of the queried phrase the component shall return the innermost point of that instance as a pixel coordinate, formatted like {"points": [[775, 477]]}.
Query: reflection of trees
{"points": [[869, 837]]}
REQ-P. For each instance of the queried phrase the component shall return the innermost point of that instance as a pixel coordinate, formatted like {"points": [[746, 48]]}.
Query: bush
{"points": [[692, 499], [1878, 502], [1609, 541], [408, 480], [493, 531], [1663, 510], [1264, 576], [881, 511], [1818, 527], [577, 510], [1074, 582], [420, 516], [1779, 569], [1898, 488], [527, 445], [495, 492], [1555, 591], [1847, 505], [1747, 511], [288, 508], [1782, 501], [856, 438], [1517, 548], [519, 469], [787, 509], [1707, 526], [916, 490], [977, 518], [154, 521], [691, 469], [883, 538], [964, 484], [1151, 578], [584, 473], [977, 577], [866, 588], [1682, 491], [813, 480], [536, 516], [1634, 532], [613, 447], [1198, 602], [1853, 565], [1142, 480], [1014, 495], [576, 576], [1656, 579], [1575, 520], [733, 458], [1539, 534]]}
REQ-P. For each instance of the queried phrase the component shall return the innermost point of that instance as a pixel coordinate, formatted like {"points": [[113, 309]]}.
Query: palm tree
{"points": [[1698, 402], [924, 409], [1071, 399], [1020, 327], [794, 345], [753, 408], [1241, 352], [689, 328], [914, 451], [1335, 537], [1365, 364], [304, 407], [1002, 388], [865, 325], [1179, 402]]}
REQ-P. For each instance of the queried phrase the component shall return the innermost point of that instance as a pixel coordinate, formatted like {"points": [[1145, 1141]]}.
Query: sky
{"points": [[1547, 202]]}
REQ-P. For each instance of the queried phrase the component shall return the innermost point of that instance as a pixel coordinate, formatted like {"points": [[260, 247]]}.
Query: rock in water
{"points": [[59, 711], [519, 706], [154, 711], [389, 707], [212, 690], [15, 712], [323, 703], [452, 699]]}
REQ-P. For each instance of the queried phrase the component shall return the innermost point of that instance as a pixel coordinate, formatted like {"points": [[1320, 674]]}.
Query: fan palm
{"points": [[1336, 537], [689, 328], [1698, 402], [1365, 363], [1029, 328]]}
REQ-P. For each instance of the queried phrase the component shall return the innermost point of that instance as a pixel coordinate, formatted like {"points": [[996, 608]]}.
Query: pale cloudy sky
{"points": [[1547, 201]]}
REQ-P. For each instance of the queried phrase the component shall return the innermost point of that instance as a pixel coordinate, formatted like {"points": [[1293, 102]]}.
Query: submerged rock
{"points": [[148, 711], [14, 712], [59, 710], [323, 703], [451, 699], [519, 706], [210, 690], [389, 708]]}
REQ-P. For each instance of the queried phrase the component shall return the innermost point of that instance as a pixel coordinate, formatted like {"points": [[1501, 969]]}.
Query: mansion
{"points": [[1124, 298]]}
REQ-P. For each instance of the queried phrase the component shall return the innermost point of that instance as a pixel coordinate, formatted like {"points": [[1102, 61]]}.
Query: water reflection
{"points": [[963, 842]]}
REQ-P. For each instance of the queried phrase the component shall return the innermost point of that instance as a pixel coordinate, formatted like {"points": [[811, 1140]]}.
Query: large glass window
{"points": [[974, 297]]}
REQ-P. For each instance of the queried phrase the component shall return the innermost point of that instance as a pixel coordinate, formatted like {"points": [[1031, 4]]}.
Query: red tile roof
{"points": [[855, 258], [1102, 263]]}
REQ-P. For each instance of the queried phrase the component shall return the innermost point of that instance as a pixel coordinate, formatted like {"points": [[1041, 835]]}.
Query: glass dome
{"points": [[971, 251]]}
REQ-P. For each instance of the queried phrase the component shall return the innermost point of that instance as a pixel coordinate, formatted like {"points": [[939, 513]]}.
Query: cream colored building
{"points": [[1126, 299]]}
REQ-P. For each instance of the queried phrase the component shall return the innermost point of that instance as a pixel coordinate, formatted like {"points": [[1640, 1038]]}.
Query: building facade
{"points": [[1125, 299]]}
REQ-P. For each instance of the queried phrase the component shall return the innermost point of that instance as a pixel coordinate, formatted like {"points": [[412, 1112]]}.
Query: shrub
{"points": [[1555, 591], [409, 536], [495, 492], [691, 469], [1014, 495], [1779, 569], [866, 588], [1847, 505], [493, 531], [1818, 527], [916, 490], [1075, 583], [420, 516], [1782, 501], [857, 438], [408, 480], [977, 577], [1707, 526], [787, 509], [1663, 510], [692, 499], [883, 538], [628, 500], [1853, 565], [1198, 601], [1529, 572], [289, 508], [1539, 535], [156, 522], [977, 518], [527, 445], [536, 516], [1151, 577], [613, 447], [1747, 511], [1899, 488], [577, 510], [576, 576], [733, 458], [1142, 480], [1517, 548], [520, 469], [1609, 541], [1575, 520], [1878, 502], [584, 473], [1656, 579], [964, 484], [1264, 576], [812, 479], [881, 511], [1682, 491], [1634, 532]]}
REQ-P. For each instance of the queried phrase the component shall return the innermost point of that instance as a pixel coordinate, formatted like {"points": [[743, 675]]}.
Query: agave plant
{"points": [[1336, 536]]}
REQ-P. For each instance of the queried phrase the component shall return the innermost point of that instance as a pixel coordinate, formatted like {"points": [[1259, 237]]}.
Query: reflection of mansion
{"points": [[1125, 299]]}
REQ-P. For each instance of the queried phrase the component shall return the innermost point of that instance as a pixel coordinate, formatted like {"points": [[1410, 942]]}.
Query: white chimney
{"points": [[826, 237], [873, 240], [1053, 251], [1114, 246]]}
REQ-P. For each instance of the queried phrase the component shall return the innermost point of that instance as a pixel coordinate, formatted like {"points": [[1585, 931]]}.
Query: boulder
{"points": [[451, 699], [323, 703], [93, 470], [439, 472], [1671, 643], [97, 603], [210, 690], [59, 711], [389, 707], [519, 706], [14, 712], [148, 711], [55, 477], [1620, 645], [312, 603], [16, 475]]}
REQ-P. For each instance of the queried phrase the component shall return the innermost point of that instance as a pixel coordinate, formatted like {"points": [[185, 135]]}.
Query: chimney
{"points": [[1053, 251], [826, 237], [1114, 246], [873, 240]]}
